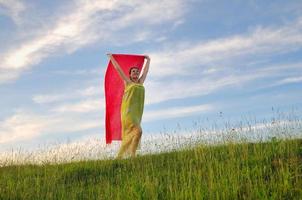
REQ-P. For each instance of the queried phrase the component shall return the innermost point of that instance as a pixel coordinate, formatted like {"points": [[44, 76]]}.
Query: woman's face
{"points": [[134, 74]]}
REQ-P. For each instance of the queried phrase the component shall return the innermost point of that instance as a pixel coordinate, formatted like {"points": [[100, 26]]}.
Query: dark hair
{"points": [[132, 68]]}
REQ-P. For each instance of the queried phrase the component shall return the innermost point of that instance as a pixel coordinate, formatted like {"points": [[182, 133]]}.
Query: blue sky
{"points": [[210, 61]]}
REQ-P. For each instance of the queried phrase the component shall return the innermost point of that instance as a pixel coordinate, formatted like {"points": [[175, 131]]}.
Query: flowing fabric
{"points": [[131, 111], [114, 90]]}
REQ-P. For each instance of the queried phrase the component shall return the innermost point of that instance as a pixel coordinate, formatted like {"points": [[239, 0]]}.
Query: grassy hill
{"points": [[271, 170]]}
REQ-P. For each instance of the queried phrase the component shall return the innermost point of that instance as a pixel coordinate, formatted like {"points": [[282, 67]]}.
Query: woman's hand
{"points": [[147, 57]]}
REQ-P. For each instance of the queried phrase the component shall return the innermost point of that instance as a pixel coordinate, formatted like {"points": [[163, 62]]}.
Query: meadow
{"points": [[262, 170], [252, 160]]}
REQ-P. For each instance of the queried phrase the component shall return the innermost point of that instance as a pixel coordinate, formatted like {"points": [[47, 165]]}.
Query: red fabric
{"points": [[114, 89]]}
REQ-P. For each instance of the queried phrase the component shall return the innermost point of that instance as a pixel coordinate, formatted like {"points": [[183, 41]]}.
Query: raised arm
{"points": [[119, 69], [145, 70]]}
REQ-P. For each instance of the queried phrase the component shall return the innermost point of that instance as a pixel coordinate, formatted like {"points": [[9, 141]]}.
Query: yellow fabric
{"points": [[131, 115], [132, 106]]}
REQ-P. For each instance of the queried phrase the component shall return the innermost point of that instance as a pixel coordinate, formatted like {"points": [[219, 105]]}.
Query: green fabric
{"points": [[132, 107]]}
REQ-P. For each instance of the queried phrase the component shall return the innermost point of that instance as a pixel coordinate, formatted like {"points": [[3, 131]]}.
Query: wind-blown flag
{"points": [[114, 89]]}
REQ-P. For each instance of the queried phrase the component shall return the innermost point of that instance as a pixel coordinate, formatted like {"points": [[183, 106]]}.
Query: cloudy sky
{"points": [[210, 60]]}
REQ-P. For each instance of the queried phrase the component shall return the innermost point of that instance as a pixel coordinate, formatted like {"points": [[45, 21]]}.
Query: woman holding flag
{"points": [[132, 105]]}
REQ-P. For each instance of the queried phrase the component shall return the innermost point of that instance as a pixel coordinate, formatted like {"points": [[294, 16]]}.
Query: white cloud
{"points": [[176, 112], [8, 75], [70, 29], [95, 105], [69, 124], [81, 26], [195, 87], [80, 72], [153, 12], [23, 126], [48, 98], [175, 59], [165, 89], [186, 70], [90, 91], [12, 8], [91, 97], [288, 80]]}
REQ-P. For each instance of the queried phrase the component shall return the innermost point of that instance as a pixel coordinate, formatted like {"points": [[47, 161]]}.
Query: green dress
{"points": [[132, 108]]}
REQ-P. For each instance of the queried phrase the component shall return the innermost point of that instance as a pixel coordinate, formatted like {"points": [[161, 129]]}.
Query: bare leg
{"points": [[135, 140]]}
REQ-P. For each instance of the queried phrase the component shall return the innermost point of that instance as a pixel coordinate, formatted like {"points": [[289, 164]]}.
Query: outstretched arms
{"points": [[118, 69], [145, 70]]}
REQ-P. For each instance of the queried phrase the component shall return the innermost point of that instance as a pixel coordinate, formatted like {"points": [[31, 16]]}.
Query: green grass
{"points": [[270, 170]]}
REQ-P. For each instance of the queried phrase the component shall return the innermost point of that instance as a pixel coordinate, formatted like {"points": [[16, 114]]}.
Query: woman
{"points": [[132, 106]]}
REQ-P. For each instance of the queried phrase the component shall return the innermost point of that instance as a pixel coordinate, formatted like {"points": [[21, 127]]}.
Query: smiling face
{"points": [[134, 74]]}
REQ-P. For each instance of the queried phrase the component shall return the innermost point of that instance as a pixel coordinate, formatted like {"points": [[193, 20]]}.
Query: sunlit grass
{"points": [[166, 141], [231, 171], [247, 161]]}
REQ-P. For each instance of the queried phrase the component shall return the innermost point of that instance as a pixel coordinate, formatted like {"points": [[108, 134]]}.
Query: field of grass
{"points": [[270, 170]]}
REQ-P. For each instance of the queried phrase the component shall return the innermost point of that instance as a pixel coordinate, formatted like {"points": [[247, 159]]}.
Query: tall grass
{"points": [[259, 160], [263, 170], [283, 127]]}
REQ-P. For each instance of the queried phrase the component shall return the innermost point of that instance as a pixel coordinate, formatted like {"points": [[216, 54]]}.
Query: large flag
{"points": [[114, 89]]}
